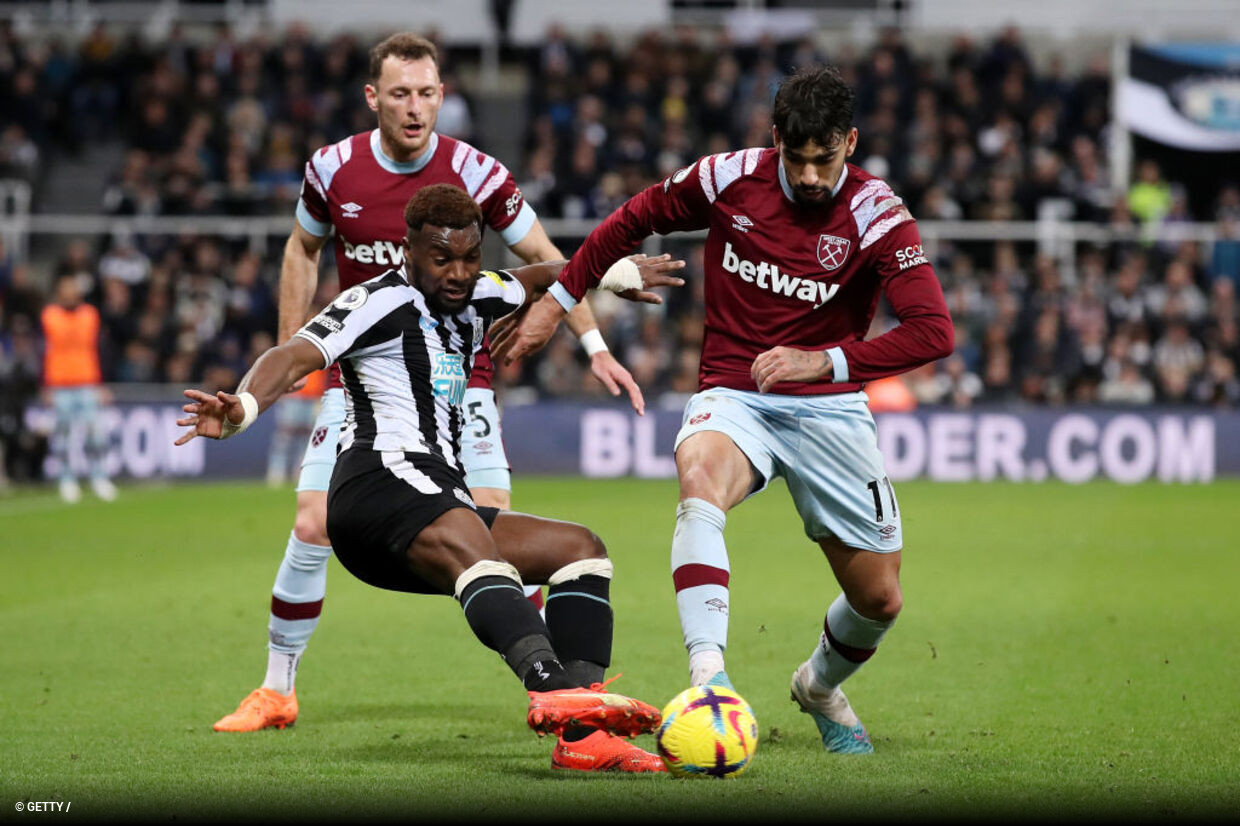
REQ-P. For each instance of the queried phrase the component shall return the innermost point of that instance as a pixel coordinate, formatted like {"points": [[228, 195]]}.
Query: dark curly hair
{"points": [[442, 205], [813, 104]]}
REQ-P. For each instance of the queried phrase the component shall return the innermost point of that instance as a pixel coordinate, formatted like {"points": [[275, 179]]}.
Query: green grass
{"points": [[1065, 651]]}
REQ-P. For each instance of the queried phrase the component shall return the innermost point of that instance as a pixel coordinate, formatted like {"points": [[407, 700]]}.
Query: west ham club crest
{"points": [[832, 251]]}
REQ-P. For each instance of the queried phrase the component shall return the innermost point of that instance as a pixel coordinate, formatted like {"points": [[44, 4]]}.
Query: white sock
{"points": [[281, 670], [700, 574], [297, 596], [703, 665], [855, 640]]}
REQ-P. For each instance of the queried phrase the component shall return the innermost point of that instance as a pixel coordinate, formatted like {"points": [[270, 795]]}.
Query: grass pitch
{"points": [[1064, 652]]}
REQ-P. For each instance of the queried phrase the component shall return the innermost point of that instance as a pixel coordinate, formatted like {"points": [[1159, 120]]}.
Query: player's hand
{"points": [[207, 414], [530, 334], [654, 270], [613, 375], [501, 332], [786, 364]]}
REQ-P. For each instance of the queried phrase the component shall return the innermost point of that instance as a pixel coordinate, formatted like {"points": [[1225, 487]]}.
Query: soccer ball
{"points": [[707, 731]]}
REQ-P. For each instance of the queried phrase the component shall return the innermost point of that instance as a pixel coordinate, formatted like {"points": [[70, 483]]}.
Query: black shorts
{"points": [[378, 503]]}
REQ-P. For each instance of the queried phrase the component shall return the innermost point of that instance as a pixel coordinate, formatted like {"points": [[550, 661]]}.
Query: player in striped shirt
{"points": [[800, 247], [398, 514], [357, 189]]}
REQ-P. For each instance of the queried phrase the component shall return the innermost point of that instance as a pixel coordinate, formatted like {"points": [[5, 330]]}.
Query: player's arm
{"points": [[227, 414], [537, 246], [299, 279], [924, 334], [674, 205]]}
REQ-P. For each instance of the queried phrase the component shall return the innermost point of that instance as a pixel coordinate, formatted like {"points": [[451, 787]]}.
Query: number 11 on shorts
{"points": [[878, 498]]}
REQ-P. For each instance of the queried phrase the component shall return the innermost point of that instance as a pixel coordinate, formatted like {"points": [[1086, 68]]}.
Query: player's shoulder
{"points": [[478, 173], [876, 208], [716, 173], [492, 283], [326, 162]]}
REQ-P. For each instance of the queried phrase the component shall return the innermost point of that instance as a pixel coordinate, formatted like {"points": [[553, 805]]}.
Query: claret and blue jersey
{"points": [[778, 272]]}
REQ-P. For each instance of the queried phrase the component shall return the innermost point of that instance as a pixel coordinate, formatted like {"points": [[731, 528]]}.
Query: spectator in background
{"points": [[1128, 386], [1149, 197], [73, 382]]}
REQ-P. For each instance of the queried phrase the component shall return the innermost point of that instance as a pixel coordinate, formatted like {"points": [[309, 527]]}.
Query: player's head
{"points": [[405, 92], [443, 245], [813, 131]]}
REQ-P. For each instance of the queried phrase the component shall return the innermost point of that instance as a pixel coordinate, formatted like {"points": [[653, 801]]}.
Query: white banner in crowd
{"points": [[1184, 95]]}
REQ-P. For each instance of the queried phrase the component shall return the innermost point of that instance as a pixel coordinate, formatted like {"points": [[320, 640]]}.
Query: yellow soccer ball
{"points": [[707, 731]]}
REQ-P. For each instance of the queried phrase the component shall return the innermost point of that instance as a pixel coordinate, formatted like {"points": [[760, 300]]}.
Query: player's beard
{"points": [[449, 306], [821, 197]]}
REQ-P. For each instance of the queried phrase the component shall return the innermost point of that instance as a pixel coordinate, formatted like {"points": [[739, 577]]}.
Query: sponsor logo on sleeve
{"points": [[351, 298], [513, 203], [911, 256]]}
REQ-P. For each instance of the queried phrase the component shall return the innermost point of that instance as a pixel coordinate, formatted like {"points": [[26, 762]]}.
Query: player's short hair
{"points": [[813, 104], [404, 45], [442, 205]]}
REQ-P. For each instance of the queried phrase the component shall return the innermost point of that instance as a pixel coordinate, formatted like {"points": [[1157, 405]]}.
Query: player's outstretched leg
{"points": [[580, 620], [847, 641], [506, 622], [296, 603]]}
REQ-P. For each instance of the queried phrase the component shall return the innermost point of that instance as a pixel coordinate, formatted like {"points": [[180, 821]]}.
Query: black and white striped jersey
{"points": [[404, 365]]}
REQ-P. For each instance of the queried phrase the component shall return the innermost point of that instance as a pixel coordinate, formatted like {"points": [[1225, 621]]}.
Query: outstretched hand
{"points": [[654, 271], [614, 376], [208, 413]]}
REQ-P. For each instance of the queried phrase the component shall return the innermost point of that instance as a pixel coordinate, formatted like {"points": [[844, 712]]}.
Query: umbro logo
{"points": [[741, 223], [352, 210], [716, 604]]}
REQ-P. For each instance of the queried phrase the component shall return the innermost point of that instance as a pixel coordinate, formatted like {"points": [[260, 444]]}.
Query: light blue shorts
{"points": [[320, 458], [482, 443], [825, 447]]}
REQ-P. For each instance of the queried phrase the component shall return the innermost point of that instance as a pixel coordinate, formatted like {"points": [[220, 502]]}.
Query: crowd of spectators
{"points": [[976, 131]]}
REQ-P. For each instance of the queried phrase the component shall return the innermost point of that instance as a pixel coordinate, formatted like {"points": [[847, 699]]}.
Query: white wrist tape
{"points": [[250, 405], [592, 342], [620, 276]]}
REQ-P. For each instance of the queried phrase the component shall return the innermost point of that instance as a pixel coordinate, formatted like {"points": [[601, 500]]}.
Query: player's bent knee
{"points": [[588, 545], [310, 524], [882, 604]]}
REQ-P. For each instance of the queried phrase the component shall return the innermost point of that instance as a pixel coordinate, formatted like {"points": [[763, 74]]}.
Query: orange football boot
{"points": [[551, 712], [263, 708], [603, 752]]}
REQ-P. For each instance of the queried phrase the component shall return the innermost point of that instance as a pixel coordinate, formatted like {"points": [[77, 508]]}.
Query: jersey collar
{"points": [[376, 149], [787, 188]]}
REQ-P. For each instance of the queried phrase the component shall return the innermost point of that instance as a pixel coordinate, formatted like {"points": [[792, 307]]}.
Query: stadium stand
{"points": [[217, 125]]}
